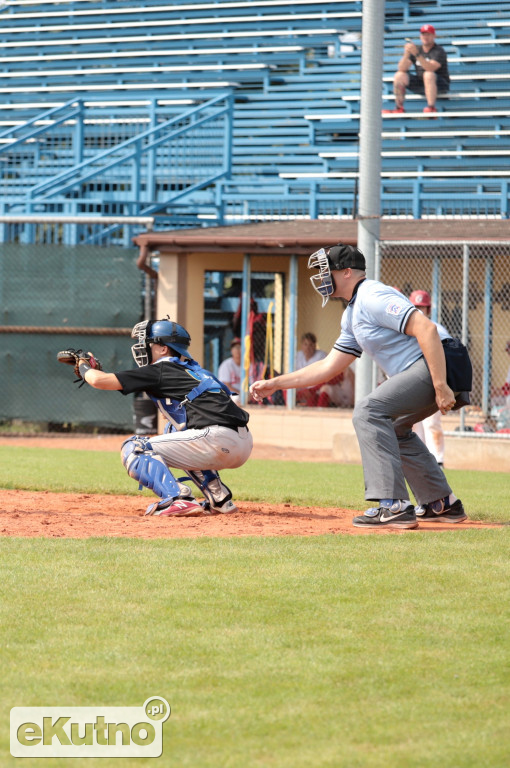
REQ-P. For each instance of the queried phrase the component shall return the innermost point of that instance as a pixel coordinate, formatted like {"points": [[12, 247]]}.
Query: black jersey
{"points": [[436, 53], [166, 379]]}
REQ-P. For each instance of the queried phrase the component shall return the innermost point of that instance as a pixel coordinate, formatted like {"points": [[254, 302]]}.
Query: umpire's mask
{"points": [[323, 281], [336, 257]]}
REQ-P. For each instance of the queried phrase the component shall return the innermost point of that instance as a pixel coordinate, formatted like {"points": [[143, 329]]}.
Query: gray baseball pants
{"points": [[209, 448], [390, 451]]}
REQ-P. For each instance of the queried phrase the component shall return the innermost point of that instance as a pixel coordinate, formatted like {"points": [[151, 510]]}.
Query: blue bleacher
{"points": [[289, 144]]}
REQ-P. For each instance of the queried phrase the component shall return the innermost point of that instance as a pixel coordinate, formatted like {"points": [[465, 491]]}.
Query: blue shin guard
{"points": [[150, 470]]}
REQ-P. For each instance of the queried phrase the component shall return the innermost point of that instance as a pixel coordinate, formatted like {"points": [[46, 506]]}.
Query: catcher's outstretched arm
{"points": [[102, 380], [317, 373]]}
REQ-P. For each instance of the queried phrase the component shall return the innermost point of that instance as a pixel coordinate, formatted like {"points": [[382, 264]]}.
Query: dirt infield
{"points": [[62, 515]]}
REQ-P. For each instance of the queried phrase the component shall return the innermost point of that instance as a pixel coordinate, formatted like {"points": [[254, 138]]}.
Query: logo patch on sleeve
{"points": [[395, 308]]}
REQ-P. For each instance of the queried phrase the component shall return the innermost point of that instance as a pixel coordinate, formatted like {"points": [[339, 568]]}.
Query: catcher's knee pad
{"points": [[208, 481], [150, 470]]}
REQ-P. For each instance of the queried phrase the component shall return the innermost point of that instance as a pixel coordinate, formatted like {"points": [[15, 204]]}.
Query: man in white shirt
{"points": [[229, 372], [307, 355]]}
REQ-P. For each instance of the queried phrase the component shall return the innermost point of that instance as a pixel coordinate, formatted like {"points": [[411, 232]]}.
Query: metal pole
{"points": [[78, 137], [245, 308], [150, 187], [293, 283], [436, 289], [370, 155], [228, 136], [487, 349], [377, 276], [147, 297], [465, 294], [465, 313]]}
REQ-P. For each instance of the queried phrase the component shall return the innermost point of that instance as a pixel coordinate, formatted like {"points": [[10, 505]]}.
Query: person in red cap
{"points": [[430, 430], [431, 71]]}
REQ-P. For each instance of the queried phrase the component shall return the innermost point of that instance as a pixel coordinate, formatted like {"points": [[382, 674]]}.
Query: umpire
{"points": [[382, 322]]}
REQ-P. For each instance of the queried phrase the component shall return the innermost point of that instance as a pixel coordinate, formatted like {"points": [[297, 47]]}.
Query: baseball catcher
{"points": [[206, 430]]}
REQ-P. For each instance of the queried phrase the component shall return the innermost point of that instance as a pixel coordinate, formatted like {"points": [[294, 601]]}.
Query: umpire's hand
{"points": [[445, 398], [263, 388]]}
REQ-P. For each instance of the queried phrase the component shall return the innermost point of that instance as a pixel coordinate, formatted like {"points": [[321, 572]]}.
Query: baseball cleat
{"points": [[398, 514], [224, 507], [174, 508], [441, 511]]}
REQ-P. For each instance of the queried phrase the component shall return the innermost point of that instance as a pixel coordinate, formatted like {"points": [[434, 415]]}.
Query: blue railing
{"points": [[148, 172]]}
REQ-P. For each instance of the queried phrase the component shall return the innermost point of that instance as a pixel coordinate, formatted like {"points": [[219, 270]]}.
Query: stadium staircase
{"points": [[242, 111]]}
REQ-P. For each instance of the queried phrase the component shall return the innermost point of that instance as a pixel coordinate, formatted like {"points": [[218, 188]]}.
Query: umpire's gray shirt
{"points": [[374, 322]]}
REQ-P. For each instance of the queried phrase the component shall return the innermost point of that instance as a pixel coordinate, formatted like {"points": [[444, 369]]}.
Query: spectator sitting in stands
{"points": [[230, 372], [306, 355], [431, 75]]}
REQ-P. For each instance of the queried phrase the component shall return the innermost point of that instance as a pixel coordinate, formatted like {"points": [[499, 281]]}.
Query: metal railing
{"points": [[151, 171]]}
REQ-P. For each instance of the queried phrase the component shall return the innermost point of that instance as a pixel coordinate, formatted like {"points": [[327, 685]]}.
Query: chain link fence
{"points": [[469, 284], [264, 338], [54, 297]]}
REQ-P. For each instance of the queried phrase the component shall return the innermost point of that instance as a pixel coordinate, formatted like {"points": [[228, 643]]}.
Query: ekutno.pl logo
{"points": [[89, 731]]}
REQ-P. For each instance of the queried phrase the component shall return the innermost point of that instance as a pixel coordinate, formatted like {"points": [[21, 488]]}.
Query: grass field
{"points": [[325, 651]]}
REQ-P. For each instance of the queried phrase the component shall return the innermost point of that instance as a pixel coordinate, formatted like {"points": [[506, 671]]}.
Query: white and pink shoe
{"points": [[174, 508]]}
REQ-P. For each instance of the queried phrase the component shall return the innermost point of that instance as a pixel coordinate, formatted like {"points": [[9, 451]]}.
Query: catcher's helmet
{"points": [[420, 299], [166, 332]]}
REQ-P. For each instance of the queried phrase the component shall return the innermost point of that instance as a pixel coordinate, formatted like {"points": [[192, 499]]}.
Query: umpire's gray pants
{"points": [[390, 451]]}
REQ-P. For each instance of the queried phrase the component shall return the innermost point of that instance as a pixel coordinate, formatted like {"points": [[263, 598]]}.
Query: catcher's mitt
{"points": [[75, 357]]}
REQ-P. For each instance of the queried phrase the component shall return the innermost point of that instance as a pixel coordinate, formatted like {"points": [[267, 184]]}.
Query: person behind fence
{"points": [[339, 392], [230, 371], [430, 430], [501, 394], [257, 362], [431, 74], [381, 322], [506, 385], [206, 430], [256, 330], [308, 354]]}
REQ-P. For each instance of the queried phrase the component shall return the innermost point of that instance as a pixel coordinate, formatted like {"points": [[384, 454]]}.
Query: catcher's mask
{"points": [[164, 332], [336, 257]]}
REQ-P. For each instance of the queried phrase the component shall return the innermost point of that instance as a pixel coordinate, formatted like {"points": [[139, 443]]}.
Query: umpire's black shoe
{"points": [[399, 514], [441, 511]]}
